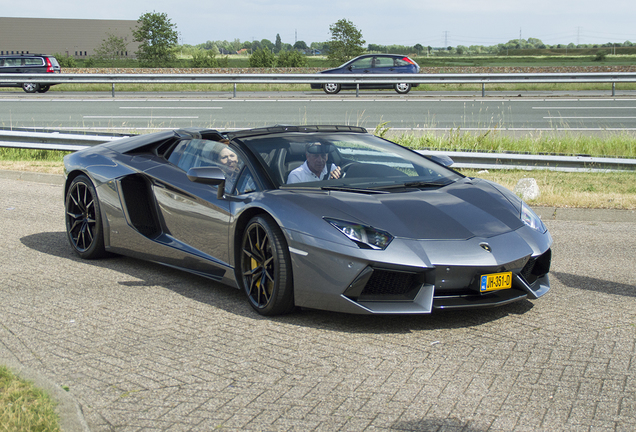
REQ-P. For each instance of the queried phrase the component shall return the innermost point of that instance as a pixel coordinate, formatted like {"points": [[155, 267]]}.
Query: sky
{"points": [[400, 22]]}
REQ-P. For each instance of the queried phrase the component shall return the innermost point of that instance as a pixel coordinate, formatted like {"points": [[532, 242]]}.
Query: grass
{"points": [[614, 190], [24, 407]]}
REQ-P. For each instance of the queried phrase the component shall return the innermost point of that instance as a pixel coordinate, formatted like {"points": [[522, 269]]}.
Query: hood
{"points": [[467, 208]]}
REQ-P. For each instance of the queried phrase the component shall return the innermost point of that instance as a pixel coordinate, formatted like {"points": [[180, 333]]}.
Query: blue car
{"points": [[376, 64]]}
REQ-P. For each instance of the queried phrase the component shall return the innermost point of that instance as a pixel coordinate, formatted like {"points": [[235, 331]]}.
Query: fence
{"points": [[475, 160], [357, 79]]}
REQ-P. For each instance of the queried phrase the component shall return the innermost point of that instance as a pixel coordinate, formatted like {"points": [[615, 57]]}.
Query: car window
{"points": [[384, 62], [12, 62], [33, 62], [363, 63], [364, 160], [400, 62], [203, 153]]}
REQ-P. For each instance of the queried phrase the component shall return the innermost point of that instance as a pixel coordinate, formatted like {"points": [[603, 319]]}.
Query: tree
{"points": [[112, 48], [291, 59], [300, 45], [262, 58], [346, 42], [267, 44], [158, 39], [278, 44]]}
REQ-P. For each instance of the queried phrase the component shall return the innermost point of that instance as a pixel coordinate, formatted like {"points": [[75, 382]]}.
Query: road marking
{"points": [[173, 108], [581, 108], [140, 117], [589, 118]]}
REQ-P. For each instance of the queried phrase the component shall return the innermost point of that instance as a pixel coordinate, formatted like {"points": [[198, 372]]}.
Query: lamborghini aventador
{"points": [[322, 217]]}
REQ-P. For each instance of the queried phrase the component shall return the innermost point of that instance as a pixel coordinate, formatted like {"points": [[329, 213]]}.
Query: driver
{"points": [[315, 166]]}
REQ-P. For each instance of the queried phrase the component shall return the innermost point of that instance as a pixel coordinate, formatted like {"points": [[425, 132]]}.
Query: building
{"points": [[73, 37]]}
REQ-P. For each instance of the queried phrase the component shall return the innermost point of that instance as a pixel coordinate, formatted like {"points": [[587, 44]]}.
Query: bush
{"points": [[65, 61], [291, 59], [600, 56], [262, 58], [204, 59]]}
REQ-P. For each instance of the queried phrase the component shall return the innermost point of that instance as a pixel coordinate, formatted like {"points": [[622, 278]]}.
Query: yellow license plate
{"points": [[495, 281]]}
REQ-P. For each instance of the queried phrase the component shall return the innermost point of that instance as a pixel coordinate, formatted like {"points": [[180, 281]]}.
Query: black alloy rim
{"points": [[81, 217], [258, 266]]}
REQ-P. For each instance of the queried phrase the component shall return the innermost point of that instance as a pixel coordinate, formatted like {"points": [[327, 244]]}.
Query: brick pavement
{"points": [[144, 347]]}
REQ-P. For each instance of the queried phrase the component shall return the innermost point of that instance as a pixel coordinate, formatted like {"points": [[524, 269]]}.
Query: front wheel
{"points": [[331, 88], [266, 267], [84, 226], [30, 87], [402, 88]]}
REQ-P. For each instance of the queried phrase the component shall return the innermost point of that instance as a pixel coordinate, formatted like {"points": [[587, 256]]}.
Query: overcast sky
{"points": [[402, 22]]}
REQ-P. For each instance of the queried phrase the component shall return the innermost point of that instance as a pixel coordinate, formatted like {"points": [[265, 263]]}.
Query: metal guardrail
{"points": [[53, 140], [473, 160], [358, 79]]}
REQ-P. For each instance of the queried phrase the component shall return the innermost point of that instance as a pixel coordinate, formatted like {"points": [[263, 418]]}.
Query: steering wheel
{"points": [[345, 167]]}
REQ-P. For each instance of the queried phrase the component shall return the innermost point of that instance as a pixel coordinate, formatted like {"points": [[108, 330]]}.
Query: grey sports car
{"points": [[362, 225]]}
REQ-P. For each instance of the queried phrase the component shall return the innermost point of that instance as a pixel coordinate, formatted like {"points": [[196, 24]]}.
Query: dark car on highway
{"points": [[375, 64], [29, 64]]}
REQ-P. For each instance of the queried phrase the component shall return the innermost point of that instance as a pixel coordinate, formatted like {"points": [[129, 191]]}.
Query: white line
{"points": [[172, 108], [141, 117], [591, 118], [581, 108]]}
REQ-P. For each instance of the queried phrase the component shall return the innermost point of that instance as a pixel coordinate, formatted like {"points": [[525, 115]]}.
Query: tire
{"points": [[30, 87], [402, 88], [265, 267], [44, 88], [331, 88], [84, 227]]}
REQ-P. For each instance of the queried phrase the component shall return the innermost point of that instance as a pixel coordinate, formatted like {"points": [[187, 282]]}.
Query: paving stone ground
{"points": [[142, 347]]}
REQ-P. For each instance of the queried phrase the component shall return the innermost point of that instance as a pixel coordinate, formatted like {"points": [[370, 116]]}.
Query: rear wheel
{"points": [[266, 267], [331, 88], [402, 88], [44, 88], [84, 226], [30, 87]]}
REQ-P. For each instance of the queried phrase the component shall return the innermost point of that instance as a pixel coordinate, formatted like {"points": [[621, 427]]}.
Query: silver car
{"points": [[380, 230]]}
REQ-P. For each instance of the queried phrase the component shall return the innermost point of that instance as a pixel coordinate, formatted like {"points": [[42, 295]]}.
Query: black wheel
{"points": [[402, 88], [266, 267], [30, 87], [44, 88], [331, 88], [83, 219]]}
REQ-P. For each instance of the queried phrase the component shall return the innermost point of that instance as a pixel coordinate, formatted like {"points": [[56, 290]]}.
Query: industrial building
{"points": [[76, 38]]}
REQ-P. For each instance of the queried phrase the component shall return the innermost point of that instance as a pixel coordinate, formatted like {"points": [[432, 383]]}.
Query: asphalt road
{"points": [[143, 347], [418, 111]]}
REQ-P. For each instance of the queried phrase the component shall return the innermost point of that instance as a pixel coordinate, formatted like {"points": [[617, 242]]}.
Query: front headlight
{"points": [[531, 219], [365, 237]]}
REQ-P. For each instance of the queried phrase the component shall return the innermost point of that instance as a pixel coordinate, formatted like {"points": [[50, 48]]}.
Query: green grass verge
{"points": [[615, 190], [24, 407]]}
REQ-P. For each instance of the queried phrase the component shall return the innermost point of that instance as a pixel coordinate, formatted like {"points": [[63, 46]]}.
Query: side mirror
{"points": [[206, 175], [442, 160]]}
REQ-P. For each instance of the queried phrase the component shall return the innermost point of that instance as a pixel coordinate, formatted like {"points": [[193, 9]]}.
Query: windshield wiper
{"points": [[414, 184], [352, 189]]}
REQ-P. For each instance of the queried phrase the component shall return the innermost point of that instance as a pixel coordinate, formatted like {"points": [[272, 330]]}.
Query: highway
{"points": [[419, 111]]}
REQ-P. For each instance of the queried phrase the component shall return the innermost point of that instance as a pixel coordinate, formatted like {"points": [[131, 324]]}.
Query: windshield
{"points": [[345, 161]]}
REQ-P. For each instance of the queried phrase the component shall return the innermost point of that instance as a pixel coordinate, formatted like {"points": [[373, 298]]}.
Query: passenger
{"points": [[315, 166]]}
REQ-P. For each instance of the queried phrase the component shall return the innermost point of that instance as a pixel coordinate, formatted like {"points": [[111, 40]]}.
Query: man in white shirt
{"points": [[315, 167]]}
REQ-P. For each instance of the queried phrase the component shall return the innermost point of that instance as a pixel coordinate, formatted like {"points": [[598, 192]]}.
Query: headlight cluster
{"points": [[531, 219], [365, 237]]}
